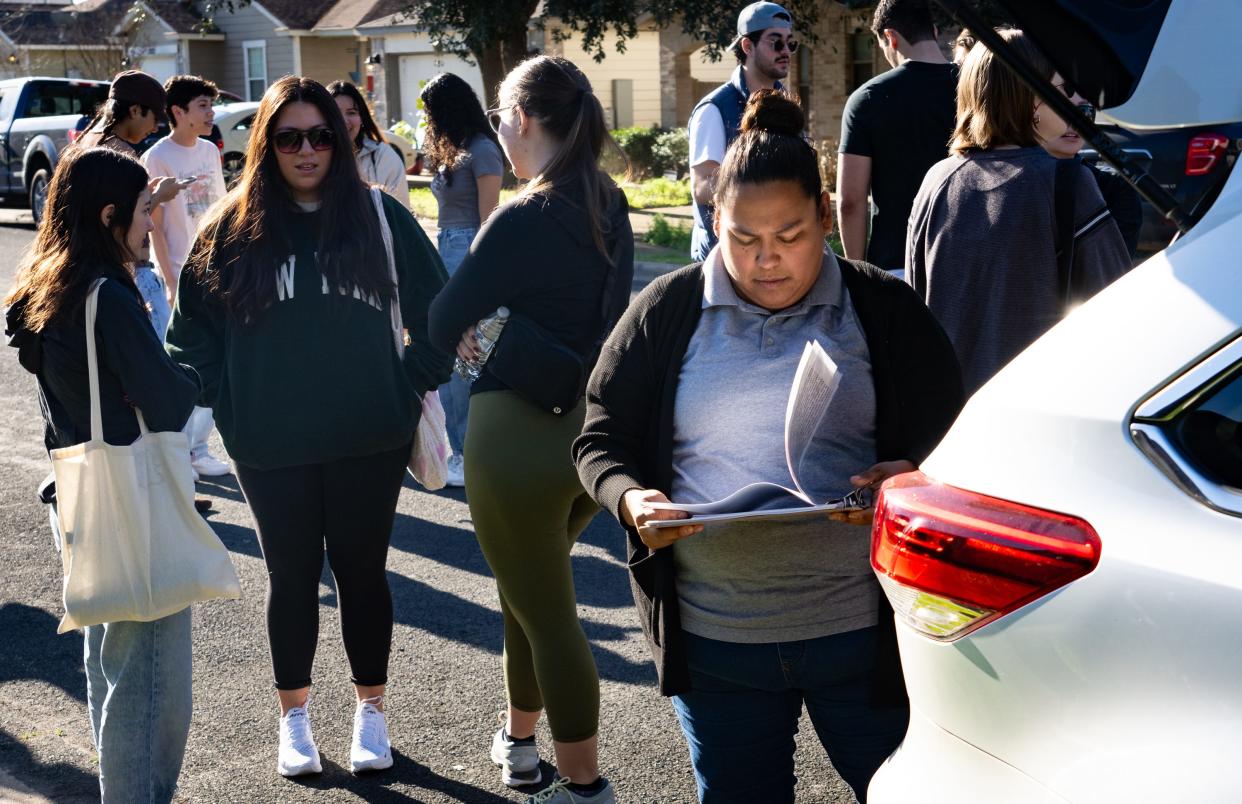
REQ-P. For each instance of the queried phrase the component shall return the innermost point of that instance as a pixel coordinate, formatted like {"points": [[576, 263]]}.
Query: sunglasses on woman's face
{"points": [[494, 118], [289, 140]]}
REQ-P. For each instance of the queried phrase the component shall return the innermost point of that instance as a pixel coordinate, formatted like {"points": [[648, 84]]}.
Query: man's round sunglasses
{"points": [[289, 140]]}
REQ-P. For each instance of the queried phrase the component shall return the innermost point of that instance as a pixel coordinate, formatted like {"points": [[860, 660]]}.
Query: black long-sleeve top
{"points": [[627, 439], [134, 369], [537, 257]]}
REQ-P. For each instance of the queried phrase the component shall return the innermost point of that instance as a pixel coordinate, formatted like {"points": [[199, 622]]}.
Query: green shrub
{"points": [[638, 144], [674, 236], [658, 192], [671, 152]]}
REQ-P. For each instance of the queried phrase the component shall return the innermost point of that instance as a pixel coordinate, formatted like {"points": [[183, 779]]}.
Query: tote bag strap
{"points": [[92, 366], [394, 308]]}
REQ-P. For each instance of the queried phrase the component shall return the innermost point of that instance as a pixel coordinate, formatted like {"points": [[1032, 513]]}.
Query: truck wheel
{"points": [[38, 193]]}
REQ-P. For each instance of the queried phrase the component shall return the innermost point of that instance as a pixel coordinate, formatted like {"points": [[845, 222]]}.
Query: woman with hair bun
{"points": [[560, 257], [752, 620]]}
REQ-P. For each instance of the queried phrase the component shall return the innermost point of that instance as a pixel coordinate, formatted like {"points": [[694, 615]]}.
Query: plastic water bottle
{"points": [[486, 333]]}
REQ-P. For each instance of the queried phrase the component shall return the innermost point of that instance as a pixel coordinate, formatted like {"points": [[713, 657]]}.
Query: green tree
{"points": [[493, 33]]}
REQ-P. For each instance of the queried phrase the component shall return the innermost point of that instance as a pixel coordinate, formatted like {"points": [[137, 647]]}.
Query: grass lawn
{"points": [[644, 195]]}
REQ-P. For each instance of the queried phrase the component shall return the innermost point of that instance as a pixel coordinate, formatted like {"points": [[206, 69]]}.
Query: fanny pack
{"points": [[539, 367]]}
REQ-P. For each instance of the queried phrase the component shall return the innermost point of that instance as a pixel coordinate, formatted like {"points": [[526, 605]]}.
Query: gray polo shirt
{"points": [[756, 582]]}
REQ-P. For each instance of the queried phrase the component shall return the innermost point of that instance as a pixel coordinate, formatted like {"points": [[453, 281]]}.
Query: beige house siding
{"points": [[639, 64], [69, 63], [244, 24], [328, 59]]}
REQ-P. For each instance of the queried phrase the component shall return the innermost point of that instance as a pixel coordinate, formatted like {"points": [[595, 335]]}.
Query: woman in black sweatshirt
{"points": [[97, 225], [560, 257], [286, 308]]}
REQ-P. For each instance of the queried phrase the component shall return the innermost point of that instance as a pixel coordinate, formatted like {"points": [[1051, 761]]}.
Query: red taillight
{"points": [[951, 560], [1203, 152], [73, 135]]}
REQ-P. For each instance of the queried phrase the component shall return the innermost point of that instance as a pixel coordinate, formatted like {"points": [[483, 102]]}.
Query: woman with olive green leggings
{"points": [[528, 508]]}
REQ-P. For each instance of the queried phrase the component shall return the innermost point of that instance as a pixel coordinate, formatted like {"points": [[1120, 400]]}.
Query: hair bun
{"points": [[773, 111]]}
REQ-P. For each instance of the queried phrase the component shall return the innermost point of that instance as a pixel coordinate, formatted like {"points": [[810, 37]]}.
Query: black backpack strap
{"points": [[1063, 210]]}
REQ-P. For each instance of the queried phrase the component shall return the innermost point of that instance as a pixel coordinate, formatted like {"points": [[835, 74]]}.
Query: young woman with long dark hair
{"points": [[96, 227], [560, 255], [378, 162], [462, 151], [749, 622], [284, 309]]}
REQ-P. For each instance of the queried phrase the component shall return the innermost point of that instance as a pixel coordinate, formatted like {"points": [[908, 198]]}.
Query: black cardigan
{"points": [[627, 440]]}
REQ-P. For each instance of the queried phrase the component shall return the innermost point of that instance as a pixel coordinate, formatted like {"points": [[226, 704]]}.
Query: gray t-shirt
{"points": [[757, 582], [456, 190], [981, 251]]}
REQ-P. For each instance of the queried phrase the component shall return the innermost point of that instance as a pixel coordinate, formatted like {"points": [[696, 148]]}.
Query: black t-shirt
{"points": [[902, 119]]}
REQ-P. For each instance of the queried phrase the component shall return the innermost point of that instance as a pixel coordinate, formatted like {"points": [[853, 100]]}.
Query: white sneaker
{"points": [[209, 465], [298, 754], [370, 749], [519, 762], [456, 475]]}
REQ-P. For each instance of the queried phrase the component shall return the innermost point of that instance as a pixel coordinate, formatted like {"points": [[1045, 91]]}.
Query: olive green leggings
{"points": [[528, 508]]}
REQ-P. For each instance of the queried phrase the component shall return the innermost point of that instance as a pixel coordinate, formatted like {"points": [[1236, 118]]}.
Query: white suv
{"points": [[1066, 568]]}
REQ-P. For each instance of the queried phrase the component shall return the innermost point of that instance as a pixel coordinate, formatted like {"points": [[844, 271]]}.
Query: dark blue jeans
{"points": [[742, 715]]}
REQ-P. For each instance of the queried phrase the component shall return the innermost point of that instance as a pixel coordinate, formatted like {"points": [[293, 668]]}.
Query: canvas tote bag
{"points": [[429, 459], [134, 547]]}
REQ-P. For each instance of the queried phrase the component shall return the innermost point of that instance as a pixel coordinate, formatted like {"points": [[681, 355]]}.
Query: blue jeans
{"points": [[138, 693], [455, 394], [742, 715], [151, 286]]}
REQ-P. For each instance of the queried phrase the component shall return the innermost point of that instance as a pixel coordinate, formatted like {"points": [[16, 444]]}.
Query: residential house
{"points": [[657, 80], [59, 39], [170, 37]]}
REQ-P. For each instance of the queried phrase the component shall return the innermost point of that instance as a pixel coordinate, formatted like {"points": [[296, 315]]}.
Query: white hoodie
{"points": [[379, 164]]}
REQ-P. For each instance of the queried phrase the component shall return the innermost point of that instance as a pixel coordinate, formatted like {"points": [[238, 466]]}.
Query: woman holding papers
{"points": [[748, 621]]}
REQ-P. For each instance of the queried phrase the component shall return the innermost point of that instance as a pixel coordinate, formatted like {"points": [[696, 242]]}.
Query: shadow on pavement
{"points": [[444, 614], [598, 582], [373, 787], [59, 781], [35, 651]]}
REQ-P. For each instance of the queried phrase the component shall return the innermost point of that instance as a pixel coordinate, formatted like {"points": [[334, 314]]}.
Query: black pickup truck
{"points": [[36, 118], [1190, 163]]}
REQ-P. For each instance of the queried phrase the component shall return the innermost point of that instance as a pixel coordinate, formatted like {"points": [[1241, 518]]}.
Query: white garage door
{"points": [[161, 66], [419, 68]]}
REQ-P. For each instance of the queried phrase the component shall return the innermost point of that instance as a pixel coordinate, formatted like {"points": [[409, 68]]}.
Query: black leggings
{"points": [[347, 505]]}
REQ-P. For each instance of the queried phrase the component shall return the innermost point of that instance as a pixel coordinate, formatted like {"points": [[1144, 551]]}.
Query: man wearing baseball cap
{"points": [[133, 112], [135, 109], [763, 48]]}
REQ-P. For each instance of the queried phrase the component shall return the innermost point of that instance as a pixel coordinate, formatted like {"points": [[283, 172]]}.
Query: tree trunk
{"points": [[505, 49]]}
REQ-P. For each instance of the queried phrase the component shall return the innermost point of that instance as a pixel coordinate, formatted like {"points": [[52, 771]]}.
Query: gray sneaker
{"points": [[519, 762], [559, 793]]}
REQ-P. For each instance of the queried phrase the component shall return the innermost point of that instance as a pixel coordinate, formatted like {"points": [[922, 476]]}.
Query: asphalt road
{"points": [[445, 687]]}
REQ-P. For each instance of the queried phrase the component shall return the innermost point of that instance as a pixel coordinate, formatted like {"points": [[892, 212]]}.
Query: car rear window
{"points": [[51, 98], [1209, 431]]}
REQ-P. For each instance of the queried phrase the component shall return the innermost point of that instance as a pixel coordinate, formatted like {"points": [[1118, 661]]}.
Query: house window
{"points": [[254, 57], [862, 59]]}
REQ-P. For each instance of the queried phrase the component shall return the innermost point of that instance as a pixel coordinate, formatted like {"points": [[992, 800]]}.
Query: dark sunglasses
{"points": [[289, 140], [780, 45]]}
